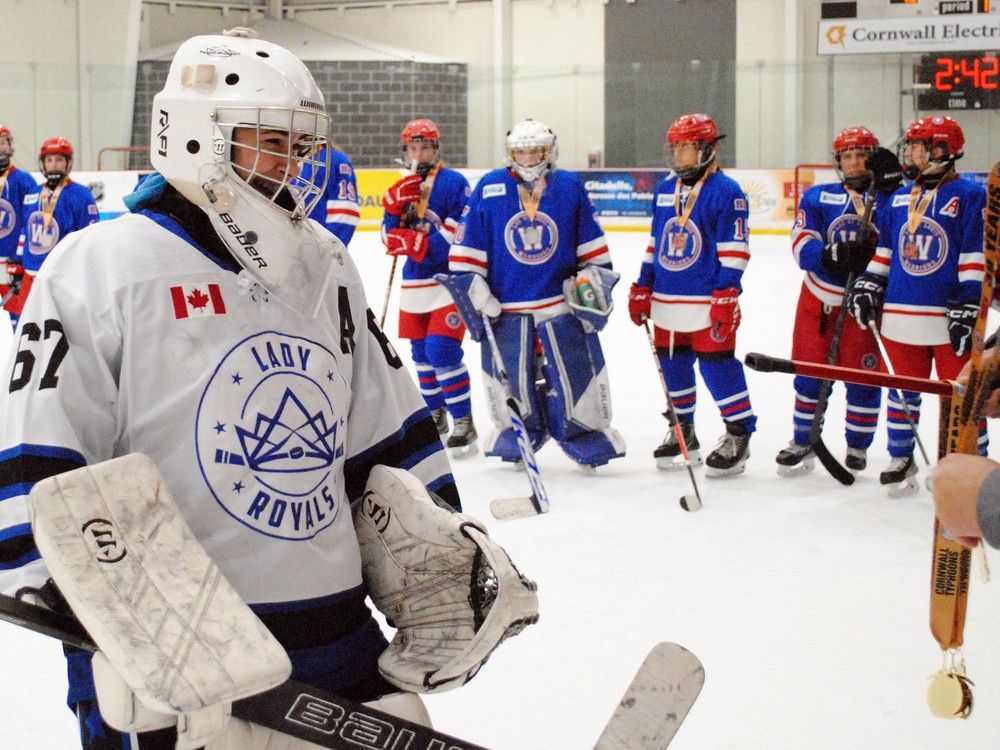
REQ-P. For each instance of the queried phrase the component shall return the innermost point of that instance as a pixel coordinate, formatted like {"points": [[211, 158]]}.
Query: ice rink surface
{"points": [[806, 601]]}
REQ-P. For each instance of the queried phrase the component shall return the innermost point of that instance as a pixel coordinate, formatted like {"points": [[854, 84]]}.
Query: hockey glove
{"points": [[639, 303], [865, 299], [452, 593], [851, 256], [404, 192], [409, 242], [725, 312], [962, 317]]}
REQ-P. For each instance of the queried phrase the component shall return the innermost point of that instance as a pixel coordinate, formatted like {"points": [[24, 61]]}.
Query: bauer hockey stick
{"points": [[688, 502], [647, 718], [516, 507]]}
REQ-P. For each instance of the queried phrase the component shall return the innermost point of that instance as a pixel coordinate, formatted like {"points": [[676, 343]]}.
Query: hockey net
{"points": [[807, 175]]}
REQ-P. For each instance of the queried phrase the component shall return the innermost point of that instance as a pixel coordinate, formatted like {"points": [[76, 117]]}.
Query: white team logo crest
{"points": [[531, 241], [270, 435], [41, 239], [680, 246], [7, 218], [925, 251]]}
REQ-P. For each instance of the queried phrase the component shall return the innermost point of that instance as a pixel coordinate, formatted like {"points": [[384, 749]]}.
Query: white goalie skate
{"points": [[900, 477], [795, 460]]}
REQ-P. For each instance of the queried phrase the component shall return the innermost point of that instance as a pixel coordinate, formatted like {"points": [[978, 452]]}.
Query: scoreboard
{"points": [[959, 80]]}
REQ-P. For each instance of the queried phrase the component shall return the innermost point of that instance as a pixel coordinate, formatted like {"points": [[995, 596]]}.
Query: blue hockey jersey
{"points": [[337, 210], [686, 260], [826, 213], [525, 260], [419, 292], [14, 185], [50, 215], [941, 262]]}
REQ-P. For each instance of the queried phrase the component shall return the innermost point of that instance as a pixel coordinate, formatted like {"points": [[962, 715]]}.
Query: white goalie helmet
{"points": [[236, 120], [529, 134]]}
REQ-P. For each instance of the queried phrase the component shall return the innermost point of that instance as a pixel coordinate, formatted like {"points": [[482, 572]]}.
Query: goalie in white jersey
{"points": [[222, 333]]}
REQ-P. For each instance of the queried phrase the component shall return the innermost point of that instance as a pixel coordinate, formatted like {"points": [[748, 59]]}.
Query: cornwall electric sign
{"points": [[843, 36]]}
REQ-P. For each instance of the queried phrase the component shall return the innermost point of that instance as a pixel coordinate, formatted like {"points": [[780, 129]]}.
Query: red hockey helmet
{"points": [[938, 130], [420, 130], [857, 137], [694, 128], [56, 145]]}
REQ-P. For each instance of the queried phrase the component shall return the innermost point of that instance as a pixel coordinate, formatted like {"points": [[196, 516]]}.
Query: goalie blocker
{"points": [[177, 644]]}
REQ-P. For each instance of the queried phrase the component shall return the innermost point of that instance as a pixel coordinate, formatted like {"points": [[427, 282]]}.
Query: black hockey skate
{"points": [[462, 441], [795, 460], [669, 456], [856, 459], [440, 417], [730, 454], [900, 476]]}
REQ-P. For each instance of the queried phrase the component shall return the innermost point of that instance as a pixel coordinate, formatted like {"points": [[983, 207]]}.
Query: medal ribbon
{"points": [[425, 190], [3, 180], [530, 201], [858, 201], [692, 197], [48, 199], [918, 207]]}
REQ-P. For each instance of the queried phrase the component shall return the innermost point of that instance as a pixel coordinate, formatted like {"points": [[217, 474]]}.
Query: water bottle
{"points": [[585, 291]]}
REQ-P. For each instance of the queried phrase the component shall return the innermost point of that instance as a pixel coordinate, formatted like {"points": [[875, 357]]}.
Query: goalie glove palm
{"points": [[453, 593]]}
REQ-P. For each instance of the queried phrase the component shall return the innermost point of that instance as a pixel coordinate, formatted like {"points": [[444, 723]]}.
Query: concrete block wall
{"points": [[368, 101]]}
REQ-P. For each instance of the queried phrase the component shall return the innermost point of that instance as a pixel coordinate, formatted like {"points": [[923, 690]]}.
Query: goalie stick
{"points": [[647, 718], [538, 502]]}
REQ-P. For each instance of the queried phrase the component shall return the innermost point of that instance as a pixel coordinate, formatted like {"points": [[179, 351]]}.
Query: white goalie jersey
{"points": [[264, 423]]}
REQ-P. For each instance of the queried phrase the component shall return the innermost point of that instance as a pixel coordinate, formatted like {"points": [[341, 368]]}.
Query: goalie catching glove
{"points": [[452, 593]]}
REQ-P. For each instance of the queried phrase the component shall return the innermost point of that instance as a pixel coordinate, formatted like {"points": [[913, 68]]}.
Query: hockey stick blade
{"points": [[831, 464], [506, 508], [656, 702], [303, 711]]}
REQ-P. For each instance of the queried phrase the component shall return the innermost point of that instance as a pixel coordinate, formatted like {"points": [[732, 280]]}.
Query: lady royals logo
{"points": [[924, 251], [680, 246], [270, 435], [531, 241]]}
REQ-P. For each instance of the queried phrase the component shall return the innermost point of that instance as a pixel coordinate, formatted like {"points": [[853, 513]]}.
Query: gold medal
{"points": [[949, 695]]}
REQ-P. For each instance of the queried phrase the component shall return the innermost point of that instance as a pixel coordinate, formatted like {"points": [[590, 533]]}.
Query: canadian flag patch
{"points": [[195, 301]]}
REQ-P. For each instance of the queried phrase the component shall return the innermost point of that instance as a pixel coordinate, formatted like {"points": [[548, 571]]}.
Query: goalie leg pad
{"points": [[515, 335], [578, 399], [453, 594], [147, 592]]}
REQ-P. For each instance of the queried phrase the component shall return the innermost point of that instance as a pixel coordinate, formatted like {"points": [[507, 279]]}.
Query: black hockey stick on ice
{"points": [[516, 507], [688, 502], [647, 718]]}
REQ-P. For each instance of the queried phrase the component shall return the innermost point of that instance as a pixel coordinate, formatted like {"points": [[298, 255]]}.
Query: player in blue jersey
{"points": [[53, 210], [827, 243], [226, 336], [422, 211], [14, 185], [528, 240], [925, 280], [338, 209], [689, 285]]}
